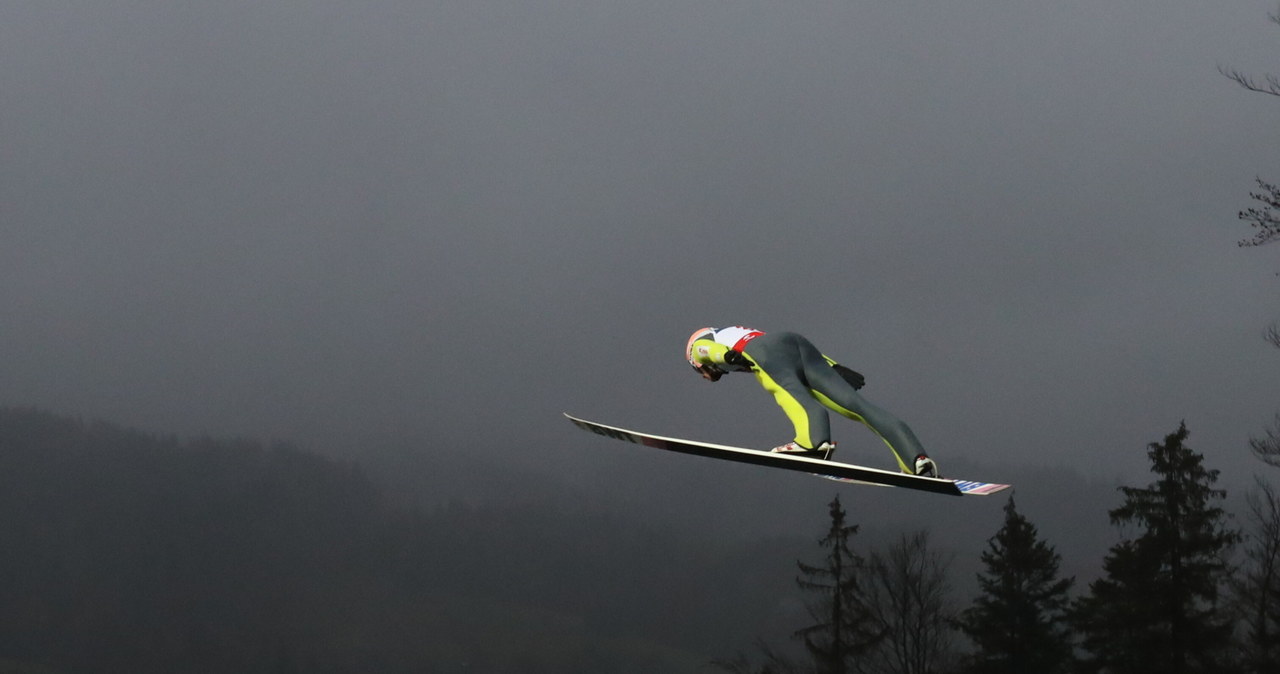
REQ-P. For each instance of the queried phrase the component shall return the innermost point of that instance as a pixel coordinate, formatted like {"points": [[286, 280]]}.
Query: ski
{"points": [[833, 470]]}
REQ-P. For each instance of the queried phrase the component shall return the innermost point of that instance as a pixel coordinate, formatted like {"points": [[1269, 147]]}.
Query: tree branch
{"points": [[1272, 86]]}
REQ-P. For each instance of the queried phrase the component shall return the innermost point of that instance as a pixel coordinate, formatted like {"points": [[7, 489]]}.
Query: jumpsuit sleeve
{"points": [[709, 352]]}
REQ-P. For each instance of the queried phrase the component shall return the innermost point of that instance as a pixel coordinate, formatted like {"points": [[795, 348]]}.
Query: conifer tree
{"points": [[843, 629], [1157, 609], [1016, 623]]}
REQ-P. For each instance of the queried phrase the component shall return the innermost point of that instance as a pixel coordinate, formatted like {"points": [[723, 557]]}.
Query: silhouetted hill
{"points": [[125, 551]]}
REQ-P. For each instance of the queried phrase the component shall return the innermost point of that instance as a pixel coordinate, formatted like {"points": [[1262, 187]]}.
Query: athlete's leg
{"points": [[780, 371], [834, 392]]}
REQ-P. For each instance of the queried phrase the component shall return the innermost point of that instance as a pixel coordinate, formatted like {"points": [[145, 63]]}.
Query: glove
{"points": [[855, 379], [736, 359]]}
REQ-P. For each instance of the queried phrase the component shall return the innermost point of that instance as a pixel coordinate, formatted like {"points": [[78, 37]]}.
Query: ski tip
{"points": [[971, 488]]}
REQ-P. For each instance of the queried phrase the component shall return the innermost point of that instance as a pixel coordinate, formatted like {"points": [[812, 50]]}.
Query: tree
{"points": [[1267, 449], [1263, 219], [1272, 85], [843, 627], [907, 595], [1016, 623], [1257, 590], [1258, 587], [1157, 609]]}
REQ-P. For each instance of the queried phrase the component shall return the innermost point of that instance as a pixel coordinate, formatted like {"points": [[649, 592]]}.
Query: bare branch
{"points": [[1272, 86], [1267, 448]]}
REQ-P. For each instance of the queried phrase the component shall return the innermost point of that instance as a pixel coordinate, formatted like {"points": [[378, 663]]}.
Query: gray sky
{"points": [[320, 221]]}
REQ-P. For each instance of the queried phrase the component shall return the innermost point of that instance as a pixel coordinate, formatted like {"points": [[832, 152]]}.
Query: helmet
{"points": [[708, 371], [688, 349]]}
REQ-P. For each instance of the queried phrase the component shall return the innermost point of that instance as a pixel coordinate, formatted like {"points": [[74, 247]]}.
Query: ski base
{"points": [[833, 470]]}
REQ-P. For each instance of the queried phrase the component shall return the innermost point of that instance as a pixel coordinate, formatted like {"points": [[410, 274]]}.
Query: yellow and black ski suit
{"points": [[804, 383]]}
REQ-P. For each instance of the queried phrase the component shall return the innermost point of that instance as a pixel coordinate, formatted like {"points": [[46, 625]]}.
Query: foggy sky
{"points": [[323, 221]]}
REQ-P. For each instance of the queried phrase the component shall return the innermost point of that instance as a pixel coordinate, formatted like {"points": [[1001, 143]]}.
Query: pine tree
{"points": [[1016, 623], [1157, 609], [843, 629]]}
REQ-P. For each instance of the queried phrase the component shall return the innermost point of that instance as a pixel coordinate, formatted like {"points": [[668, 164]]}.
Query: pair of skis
{"points": [[841, 472]]}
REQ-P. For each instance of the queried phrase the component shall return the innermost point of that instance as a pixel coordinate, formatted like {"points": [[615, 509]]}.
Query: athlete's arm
{"points": [[855, 379], [709, 352]]}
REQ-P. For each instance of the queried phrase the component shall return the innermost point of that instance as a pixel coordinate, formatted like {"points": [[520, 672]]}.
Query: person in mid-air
{"points": [[805, 384]]}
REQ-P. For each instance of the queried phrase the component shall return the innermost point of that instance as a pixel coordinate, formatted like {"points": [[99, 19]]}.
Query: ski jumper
{"points": [[804, 383]]}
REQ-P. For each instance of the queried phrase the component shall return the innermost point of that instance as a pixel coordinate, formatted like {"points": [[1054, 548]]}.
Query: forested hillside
{"points": [[126, 552]]}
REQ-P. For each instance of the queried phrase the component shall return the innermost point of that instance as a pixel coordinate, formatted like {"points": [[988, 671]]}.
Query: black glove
{"points": [[855, 380], [736, 359]]}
